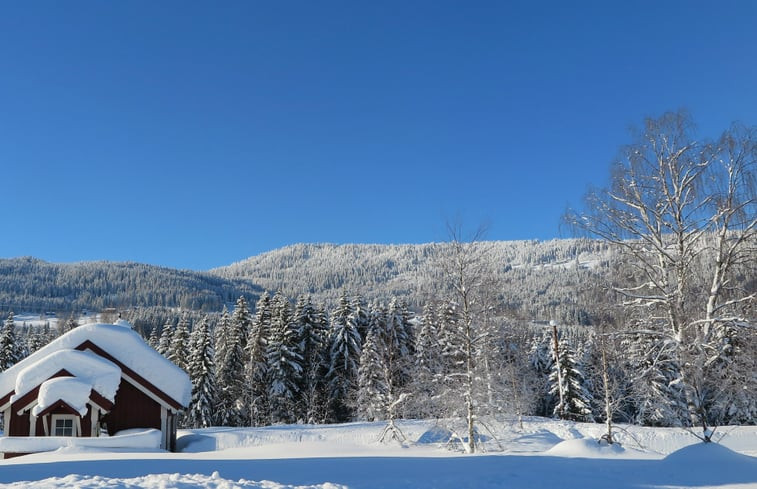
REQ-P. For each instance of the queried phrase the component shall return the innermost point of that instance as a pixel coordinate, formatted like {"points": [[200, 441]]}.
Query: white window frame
{"points": [[75, 428]]}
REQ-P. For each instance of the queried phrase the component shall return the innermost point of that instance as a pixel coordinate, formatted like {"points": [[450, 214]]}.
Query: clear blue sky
{"points": [[192, 134]]}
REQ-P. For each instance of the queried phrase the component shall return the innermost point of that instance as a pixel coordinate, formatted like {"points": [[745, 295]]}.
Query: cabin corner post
{"points": [[94, 421], [165, 440], [174, 428]]}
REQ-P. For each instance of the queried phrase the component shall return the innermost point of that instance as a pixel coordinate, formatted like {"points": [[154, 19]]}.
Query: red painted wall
{"points": [[133, 409]]}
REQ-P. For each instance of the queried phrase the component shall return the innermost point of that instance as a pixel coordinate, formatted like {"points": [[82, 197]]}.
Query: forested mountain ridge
{"points": [[532, 278], [30, 284]]}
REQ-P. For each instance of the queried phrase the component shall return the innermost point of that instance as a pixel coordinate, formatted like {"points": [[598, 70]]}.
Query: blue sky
{"points": [[195, 134]]}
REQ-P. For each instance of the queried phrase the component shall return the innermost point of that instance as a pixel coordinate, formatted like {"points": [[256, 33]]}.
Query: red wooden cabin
{"points": [[96, 378]]}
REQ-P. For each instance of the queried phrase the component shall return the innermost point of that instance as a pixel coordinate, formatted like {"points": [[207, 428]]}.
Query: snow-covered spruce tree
{"points": [[166, 336], [36, 340], [733, 375], [284, 363], [256, 369], [360, 315], [400, 342], [656, 392], [428, 366], [399, 346], [154, 339], [344, 359], [452, 359], [576, 396], [313, 330], [22, 341], [221, 333], [373, 382], [670, 193], [202, 373], [231, 410], [323, 399], [178, 350], [241, 320], [541, 361], [9, 345]]}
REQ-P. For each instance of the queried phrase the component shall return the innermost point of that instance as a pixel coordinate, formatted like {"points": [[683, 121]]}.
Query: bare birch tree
{"points": [[465, 272], [682, 210]]}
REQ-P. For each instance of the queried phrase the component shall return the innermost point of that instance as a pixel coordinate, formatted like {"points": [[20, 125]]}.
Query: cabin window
{"points": [[64, 425]]}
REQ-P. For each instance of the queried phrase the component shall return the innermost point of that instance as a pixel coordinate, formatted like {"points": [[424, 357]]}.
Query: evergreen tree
{"points": [[360, 315], [154, 339], [222, 329], [400, 343], [576, 396], [178, 350], [284, 361], [312, 328], [657, 394], [452, 360], [373, 382], [242, 321], [344, 359], [450, 331], [732, 387], [231, 409], [256, 369], [541, 360], [428, 365], [202, 373], [9, 347], [166, 336], [36, 340]]}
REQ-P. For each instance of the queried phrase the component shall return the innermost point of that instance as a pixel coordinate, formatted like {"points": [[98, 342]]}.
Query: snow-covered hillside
{"points": [[543, 453], [540, 272]]}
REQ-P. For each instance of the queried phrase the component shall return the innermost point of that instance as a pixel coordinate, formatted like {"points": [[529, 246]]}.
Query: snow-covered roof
{"points": [[125, 346], [72, 391], [100, 374]]}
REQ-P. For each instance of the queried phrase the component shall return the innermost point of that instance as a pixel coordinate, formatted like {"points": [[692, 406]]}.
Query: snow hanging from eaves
{"points": [[72, 391], [125, 345], [101, 374]]}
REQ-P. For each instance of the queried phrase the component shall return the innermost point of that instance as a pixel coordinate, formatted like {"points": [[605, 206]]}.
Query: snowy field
{"points": [[543, 454]]}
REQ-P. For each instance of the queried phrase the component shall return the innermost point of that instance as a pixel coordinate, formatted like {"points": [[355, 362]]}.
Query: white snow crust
{"points": [[102, 375], [164, 481], [349, 456], [70, 390], [122, 343], [142, 440]]}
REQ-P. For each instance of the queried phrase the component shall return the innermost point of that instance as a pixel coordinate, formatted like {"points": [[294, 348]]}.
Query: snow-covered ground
{"points": [[543, 453]]}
